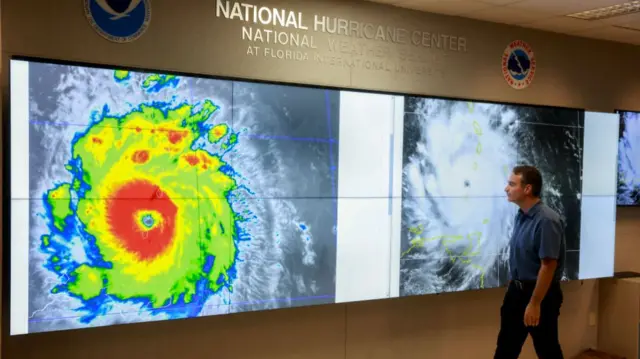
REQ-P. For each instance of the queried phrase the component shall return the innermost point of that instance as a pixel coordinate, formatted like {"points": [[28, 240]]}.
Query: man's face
{"points": [[514, 189]]}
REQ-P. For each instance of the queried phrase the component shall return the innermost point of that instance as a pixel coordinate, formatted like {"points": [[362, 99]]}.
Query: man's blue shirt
{"points": [[538, 234]]}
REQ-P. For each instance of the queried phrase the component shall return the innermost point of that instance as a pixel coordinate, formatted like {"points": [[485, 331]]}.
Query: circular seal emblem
{"points": [[518, 64], [118, 20]]}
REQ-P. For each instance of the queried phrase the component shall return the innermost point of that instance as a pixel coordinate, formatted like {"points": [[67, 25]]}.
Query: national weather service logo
{"points": [[118, 20], [518, 64]]}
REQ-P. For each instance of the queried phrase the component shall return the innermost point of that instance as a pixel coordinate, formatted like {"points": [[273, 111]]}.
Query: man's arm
{"points": [[545, 277], [550, 245]]}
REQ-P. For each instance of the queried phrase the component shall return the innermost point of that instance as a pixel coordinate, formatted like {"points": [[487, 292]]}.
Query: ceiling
{"points": [[548, 15]]}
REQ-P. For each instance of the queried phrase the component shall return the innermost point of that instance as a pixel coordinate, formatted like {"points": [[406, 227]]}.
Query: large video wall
{"points": [[629, 159], [141, 196]]}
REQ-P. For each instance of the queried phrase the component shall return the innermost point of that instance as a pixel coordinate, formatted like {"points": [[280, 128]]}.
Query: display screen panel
{"points": [[629, 159], [457, 156], [142, 196]]}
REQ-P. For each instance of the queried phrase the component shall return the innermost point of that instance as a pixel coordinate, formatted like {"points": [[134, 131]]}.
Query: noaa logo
{"points": [[518, 64], [118, 20]]}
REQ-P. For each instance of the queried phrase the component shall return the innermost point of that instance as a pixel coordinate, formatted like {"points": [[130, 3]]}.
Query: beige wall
{"points": [[571, 72], [444, 326]]}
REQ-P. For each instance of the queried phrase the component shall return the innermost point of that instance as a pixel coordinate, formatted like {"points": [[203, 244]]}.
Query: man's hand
{"points": [[532, 315]]}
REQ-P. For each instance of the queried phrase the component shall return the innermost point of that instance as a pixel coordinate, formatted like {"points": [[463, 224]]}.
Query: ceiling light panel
{"points": [[630, 7]]}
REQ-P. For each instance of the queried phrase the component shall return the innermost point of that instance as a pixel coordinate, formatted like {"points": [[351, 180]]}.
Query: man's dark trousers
{"points": [[513, 332]]}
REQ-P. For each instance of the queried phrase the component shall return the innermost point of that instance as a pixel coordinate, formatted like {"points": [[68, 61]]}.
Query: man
{"points": [[536, 263]]}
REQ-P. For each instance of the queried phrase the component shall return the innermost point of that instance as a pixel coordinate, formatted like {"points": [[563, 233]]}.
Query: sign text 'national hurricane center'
{"points": [[268, 16]]}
